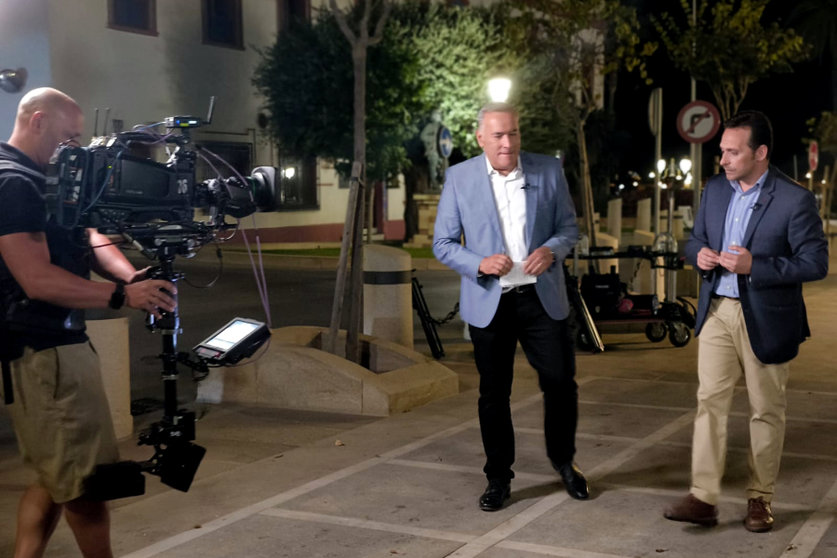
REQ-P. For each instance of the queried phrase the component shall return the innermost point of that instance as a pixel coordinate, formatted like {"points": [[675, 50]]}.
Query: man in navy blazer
{"points": [[757, 238], [518, 222]]}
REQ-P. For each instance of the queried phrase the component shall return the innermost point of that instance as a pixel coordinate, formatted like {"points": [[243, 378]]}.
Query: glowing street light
{"points": [[498, 89], [661, 166]]}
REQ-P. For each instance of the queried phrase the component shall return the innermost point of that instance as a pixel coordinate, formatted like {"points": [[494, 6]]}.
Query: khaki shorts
{"points": [[61, 417]]}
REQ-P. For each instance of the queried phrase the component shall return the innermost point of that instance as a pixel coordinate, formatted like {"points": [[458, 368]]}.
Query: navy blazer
{"points": [[467, 208], [785, 236]]}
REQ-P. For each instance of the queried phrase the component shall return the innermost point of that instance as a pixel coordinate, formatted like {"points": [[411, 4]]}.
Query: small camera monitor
{"points": [[238, 339]]}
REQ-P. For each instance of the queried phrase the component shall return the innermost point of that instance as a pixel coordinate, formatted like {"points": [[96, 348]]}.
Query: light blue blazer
{"points": [[467, 208]]}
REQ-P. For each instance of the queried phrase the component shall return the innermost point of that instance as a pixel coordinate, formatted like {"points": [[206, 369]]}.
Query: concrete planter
{"points": [[294, 373]]}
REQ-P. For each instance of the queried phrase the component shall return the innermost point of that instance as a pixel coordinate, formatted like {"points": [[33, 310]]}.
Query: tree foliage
{"points": [[729, 47], [439, 57], [432, 56], [824, 130], [582, 41], [571, 47], [458, 51], [306, 79]]}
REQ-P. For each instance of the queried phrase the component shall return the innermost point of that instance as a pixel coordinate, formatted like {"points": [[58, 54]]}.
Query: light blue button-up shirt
{"points": [[739, 211]]}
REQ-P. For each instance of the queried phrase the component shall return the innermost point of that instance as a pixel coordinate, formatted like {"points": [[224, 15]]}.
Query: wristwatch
{"points": [[117, 299]]}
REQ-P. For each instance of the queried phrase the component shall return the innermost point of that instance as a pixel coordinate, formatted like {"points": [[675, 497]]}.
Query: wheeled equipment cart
{"points": [[602, 298]]}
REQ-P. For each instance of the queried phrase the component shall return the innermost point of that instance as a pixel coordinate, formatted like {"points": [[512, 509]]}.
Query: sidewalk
{"points": [[280, 483]]}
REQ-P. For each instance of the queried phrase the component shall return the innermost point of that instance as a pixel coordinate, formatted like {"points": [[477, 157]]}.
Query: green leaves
{"points": [[432, 57], [729, 47]]}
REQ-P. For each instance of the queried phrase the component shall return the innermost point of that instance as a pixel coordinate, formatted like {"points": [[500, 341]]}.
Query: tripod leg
{"points": [[430, 333]]}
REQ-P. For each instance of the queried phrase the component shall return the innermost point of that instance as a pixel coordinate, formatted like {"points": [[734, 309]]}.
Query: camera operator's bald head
{"points": [[46, 117]]}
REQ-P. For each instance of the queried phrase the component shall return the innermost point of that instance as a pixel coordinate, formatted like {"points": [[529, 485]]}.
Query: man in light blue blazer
{"points": [[518, 222], [757, 238]]}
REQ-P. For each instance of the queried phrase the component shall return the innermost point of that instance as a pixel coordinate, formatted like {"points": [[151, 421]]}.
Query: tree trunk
{"points": [[349, 227], [359, 65], [353, 351], [360, 42]]}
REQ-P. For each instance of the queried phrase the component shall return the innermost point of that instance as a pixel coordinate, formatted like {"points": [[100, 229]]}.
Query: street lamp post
{"points": [[655, 215]]}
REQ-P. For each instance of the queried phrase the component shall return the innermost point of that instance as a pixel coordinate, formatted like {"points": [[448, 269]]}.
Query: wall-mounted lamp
{"points": [[12, 81]]}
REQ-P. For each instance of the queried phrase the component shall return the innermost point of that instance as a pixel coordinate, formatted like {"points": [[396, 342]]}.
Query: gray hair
{"points": [[495, 107]]}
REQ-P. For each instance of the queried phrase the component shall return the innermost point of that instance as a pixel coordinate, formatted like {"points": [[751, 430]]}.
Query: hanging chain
{"points": [[451, 315]]}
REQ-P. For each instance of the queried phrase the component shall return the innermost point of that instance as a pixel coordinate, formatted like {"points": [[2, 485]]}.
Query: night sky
{"points": [[787, 99]]}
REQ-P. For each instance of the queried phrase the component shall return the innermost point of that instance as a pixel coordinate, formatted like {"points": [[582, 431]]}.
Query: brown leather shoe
{"points": [[692, 510], [759, 516]]}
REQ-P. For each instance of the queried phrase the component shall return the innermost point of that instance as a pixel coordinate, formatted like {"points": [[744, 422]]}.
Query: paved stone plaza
{"points": [[278, 483]]}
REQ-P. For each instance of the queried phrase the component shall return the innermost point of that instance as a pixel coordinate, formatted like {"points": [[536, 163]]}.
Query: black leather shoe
{"points": [[495, 495], [574, 480]]}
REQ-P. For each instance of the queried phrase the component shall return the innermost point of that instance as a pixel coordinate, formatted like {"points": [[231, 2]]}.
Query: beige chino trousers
{"points": [[724, 354]]}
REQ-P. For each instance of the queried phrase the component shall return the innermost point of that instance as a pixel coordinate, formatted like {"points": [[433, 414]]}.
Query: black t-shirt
{"points": [[33, 323]]}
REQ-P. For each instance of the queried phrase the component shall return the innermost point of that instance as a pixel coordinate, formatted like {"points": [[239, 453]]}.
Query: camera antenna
{"points": [[105, 125], [210, 111], [186, 122]]}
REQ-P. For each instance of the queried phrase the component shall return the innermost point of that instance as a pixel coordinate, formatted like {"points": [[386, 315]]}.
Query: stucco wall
{"points": [[25, 40], [144, 78]]}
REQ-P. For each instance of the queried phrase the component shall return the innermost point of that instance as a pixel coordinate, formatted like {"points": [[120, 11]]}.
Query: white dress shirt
{"points": [[510, 199]]}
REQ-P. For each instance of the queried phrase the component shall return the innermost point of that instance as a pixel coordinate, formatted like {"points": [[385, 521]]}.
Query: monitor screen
{"points": [[226, 339]]}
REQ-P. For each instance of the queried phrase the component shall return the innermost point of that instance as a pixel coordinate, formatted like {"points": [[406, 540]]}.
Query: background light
{"points": [[661, 166], [498, 89]]}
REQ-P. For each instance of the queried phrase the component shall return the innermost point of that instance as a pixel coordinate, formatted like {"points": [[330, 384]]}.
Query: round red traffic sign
{"points": [[698, 122], [813, 155]]}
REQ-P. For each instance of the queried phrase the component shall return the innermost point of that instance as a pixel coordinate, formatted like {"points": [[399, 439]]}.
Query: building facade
{"points": [[130, 62]]}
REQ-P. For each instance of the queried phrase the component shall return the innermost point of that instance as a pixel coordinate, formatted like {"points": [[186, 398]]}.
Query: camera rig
{"points": [[106, 187], [153, 206]]}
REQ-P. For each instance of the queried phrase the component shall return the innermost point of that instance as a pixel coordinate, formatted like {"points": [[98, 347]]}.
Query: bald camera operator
{"points": [[51, 378]]}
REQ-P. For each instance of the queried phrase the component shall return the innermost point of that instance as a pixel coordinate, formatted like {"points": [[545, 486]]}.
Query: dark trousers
{"points": [[548, 348]]}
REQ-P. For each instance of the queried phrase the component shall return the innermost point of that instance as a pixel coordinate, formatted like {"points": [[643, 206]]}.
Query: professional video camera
{"points": [[153, 206], [105, 186]]}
